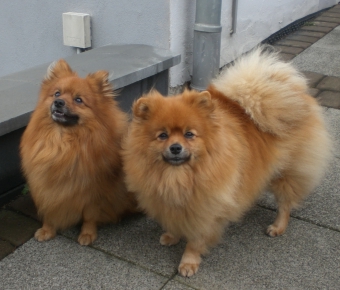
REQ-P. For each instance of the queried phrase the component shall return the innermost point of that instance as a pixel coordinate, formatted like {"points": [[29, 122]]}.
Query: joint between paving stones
{"points": [[169, 280], [304, 219], [118, 257], [318, 82]]}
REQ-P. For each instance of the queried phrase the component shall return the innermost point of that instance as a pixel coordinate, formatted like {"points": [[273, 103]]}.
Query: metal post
{"points": [[207, 43], [233, 17]]}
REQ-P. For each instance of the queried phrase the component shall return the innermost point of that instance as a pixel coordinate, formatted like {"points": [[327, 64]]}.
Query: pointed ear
{"points": [[58, 69], [202, 100], [144, 106], [141, 108], [100, 83]]}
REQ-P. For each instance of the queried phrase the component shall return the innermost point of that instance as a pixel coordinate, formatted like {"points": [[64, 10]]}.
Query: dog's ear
{"points": [[141, 108], [99, 81], [201, 100], [58, 69]]}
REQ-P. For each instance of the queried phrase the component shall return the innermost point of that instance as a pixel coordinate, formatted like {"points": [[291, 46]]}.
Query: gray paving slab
{"points": [[333, 122], [329, 83], [302, 38], [175, 285], [296, 43], [313, 78], [330, 40], [326, 24], [25, 205], [313, 92], [305, 257], [316, 28], [330, 14], [328, 19], [288, 49], [309, 33], [286, 56], [16, 228], [5, 249], [335, 9], [329, 99], [137, 240], [63, 264], [323, 56]]}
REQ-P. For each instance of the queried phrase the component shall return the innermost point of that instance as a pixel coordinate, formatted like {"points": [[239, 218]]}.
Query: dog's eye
{"points": [[78, 100], [57, 94], [189, 135], [163, 136]]}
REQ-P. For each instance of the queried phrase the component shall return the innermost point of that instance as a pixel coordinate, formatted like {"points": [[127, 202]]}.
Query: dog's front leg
{"points": [[191, 259]]}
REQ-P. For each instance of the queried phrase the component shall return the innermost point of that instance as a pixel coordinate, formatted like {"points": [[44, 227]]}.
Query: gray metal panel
{"points": [[128, 94], [207, 43], [126, 64], [208, 12], [206, 59]]}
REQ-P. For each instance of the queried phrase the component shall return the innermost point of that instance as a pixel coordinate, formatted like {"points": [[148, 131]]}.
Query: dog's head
{"points": [[175, 130], [72, 100]]}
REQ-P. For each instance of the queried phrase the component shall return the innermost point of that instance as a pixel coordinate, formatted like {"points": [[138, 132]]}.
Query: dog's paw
{"points": [[168, 240], [274, 231], [42, 235], [187, 270], [86, 239]]}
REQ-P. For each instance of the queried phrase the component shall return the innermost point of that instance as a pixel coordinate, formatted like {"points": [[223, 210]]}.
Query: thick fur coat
{"points": [[71, 153], [200, 160]]}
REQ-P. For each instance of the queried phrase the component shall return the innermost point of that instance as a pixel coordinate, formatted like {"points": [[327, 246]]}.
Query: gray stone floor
{"points": [[323, 56], [129, 256]]}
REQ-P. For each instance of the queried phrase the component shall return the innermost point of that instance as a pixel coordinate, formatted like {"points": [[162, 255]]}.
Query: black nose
{"points": [[175, 148], [59, 103]]}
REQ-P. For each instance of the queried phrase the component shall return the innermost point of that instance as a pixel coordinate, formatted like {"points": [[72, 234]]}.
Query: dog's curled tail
{"points": [[271, 91]]}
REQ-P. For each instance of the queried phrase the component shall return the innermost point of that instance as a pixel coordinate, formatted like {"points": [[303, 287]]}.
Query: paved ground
{"points": [[129, 256]]}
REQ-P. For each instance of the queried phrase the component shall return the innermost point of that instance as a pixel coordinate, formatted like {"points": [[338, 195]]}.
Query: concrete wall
{"points": [[31, 31], [256, 20]]}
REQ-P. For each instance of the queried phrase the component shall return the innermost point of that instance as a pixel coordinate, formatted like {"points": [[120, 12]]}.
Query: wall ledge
{"points": [[126, 64]]}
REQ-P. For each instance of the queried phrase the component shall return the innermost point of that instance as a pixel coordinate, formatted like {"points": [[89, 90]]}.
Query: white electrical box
{"points": [[77, 29]]}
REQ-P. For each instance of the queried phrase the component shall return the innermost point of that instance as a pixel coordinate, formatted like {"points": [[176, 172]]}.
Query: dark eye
{"points": [[189, 135], [163, 136], [78, 100], [57, 94]]}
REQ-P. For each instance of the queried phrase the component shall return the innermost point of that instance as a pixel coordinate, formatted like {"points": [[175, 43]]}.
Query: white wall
{"points": [[182, 19], [256, 20], [31, 31]]}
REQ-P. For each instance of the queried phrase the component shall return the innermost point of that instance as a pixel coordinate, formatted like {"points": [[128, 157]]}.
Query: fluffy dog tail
{"points": [[271, 91]]}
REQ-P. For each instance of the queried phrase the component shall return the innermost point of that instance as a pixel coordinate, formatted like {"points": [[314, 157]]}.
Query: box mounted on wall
{"points": [[77, 29]]}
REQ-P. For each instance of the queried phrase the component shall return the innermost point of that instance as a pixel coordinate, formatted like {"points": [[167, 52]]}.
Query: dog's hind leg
{"points": [[288, 191], [168, 239]]}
